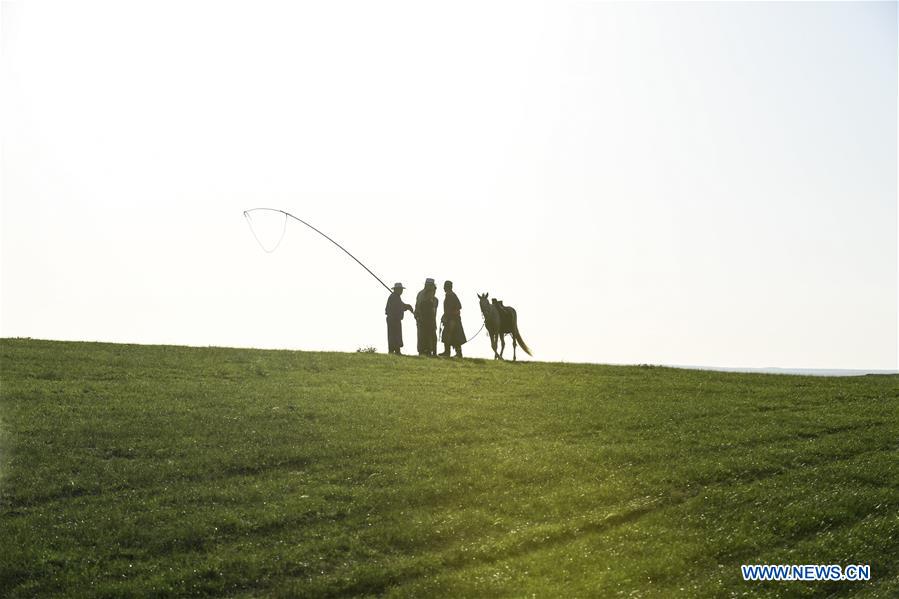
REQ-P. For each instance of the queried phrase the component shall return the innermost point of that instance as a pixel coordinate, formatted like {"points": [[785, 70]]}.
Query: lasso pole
{"points": [[247, 216]]}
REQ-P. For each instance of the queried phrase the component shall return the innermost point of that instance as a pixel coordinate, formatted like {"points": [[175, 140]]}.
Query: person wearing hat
{"points": [[395, 311], [453, 333], [426, 319]]}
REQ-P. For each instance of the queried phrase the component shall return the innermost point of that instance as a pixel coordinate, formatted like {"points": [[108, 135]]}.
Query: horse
{"points": [[501, 321]]}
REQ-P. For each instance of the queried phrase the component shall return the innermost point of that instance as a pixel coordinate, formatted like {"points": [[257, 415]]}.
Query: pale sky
{"points": [[705, 184]]}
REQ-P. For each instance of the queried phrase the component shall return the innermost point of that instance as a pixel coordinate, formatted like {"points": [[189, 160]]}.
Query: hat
{"points": [[449, 283], [429, 282], [398, 286]]}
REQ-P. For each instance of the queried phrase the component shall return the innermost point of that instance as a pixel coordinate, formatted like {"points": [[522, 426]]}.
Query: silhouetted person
{"points": [[453, 333], [426, 319], [395, 311]]}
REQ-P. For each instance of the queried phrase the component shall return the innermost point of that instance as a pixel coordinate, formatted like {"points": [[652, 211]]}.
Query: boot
{"points": [[446, 351]]}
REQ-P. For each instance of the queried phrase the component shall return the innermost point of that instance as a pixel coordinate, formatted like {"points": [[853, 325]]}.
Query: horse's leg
{"points": [[493, 344], [502, 338], [514, 345]]}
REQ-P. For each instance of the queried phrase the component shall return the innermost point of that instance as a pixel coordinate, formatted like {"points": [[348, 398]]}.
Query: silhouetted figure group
{"points": [[425, 313]]}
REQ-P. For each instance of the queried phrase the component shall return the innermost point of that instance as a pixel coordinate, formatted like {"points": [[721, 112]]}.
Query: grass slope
{"points": [[152, 471]]}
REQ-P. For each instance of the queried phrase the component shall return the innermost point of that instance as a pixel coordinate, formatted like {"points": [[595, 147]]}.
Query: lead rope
{"points": [[478, 333]]}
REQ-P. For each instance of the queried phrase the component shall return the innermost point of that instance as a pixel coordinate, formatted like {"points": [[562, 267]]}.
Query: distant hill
{"points": [[157, 471], [796, 371]]}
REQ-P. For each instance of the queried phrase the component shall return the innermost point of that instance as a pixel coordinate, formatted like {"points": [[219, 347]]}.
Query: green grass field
{"points": [[157, 471]]}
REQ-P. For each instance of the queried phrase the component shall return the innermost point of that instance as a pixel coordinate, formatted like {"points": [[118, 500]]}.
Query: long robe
{"points": [[395, 310], [453, 333], [426, 321]]}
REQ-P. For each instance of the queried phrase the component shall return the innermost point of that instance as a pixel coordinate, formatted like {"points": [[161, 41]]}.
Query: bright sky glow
{"points": [[670, 183]]}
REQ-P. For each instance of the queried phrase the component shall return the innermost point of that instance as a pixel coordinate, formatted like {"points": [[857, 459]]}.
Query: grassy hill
{"points": [[151, 471]]}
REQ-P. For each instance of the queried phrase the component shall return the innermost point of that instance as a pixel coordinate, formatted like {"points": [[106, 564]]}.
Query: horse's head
{"points": [[485, 305]]}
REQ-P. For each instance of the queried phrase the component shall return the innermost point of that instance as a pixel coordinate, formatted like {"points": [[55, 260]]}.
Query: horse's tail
{"points": [[517, 336]]}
